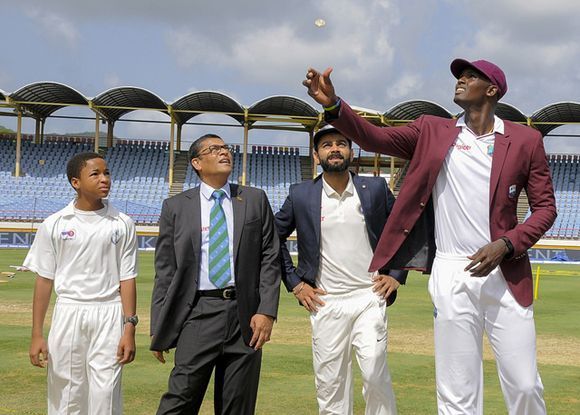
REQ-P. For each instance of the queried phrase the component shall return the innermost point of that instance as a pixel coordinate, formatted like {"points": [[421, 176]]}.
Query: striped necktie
{"points": [[219, 243]]}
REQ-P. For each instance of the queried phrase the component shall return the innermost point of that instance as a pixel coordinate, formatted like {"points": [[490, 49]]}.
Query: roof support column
{"points": [[97, 132], [42, 122], [37, 131], [18, 144], [171, 147], [110, 128], [245, 148], [377, 165], [178, 145]]}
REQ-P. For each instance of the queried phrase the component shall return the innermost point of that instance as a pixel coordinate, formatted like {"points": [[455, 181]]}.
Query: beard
{"points": [[335, 168]]}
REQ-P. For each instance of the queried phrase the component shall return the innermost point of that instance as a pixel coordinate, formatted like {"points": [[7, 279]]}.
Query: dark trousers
{"points": [[211, 338]]}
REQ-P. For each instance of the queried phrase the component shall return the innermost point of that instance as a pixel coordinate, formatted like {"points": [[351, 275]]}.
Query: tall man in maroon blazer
{"points": [[455, 218]]}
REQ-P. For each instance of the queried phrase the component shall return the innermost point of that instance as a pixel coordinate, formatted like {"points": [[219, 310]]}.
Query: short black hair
{"points": [[324, 131], [78, 162], [195, 147]]}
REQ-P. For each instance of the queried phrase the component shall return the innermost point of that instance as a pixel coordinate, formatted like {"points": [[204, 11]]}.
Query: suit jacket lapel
{"points": [[500, 149], [194, 209], [239, 208], [315, 203], [447, 140]]}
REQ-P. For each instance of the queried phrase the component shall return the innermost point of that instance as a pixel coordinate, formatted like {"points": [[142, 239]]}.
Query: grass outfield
{"points": [[287, 385]]}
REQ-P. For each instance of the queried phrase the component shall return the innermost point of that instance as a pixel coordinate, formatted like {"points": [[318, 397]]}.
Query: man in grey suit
{"points": [[216, 287]]}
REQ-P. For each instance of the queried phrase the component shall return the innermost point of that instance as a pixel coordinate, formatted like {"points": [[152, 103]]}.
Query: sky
{"points": [[383, 52]]}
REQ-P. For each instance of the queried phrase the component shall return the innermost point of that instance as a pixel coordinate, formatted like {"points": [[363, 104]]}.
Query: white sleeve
{"points": [[129, 253], [41, 257]]}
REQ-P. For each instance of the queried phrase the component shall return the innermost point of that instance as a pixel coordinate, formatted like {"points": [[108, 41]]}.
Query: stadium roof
{"points": [[411, 110], [283, 106], [41, 99], [202, 102], [116, 102], [44, 98], [554, 115]]}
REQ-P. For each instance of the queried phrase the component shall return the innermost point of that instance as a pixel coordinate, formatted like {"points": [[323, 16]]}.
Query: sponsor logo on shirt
{"points": [[70, 234], [462, 147]]}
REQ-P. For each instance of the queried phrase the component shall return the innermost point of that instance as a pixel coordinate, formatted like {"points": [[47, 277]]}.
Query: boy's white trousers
{"points": [[357, 322], [84, 376], [464, 308]]}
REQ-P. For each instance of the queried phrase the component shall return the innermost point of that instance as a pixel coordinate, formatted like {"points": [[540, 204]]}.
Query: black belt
{"points": [[228, 293]]}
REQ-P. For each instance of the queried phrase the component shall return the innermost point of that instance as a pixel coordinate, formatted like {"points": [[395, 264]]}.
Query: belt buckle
{"points": [[228, 293]]}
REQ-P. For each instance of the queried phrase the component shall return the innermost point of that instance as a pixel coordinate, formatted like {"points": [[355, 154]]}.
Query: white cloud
{"points": [[145, 130], [55, 26], [404, 86], [534, 42], [112, 80]]}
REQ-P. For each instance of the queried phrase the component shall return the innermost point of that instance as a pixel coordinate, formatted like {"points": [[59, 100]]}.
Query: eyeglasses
{"points": [[215, 149]]}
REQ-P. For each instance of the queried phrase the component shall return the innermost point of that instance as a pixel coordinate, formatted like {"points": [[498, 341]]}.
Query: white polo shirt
{"points": [[86, 253], [461, 192], [345, 249], [206, 204]]}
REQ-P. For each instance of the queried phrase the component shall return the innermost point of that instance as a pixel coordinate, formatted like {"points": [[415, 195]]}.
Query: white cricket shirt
{"points": [[461, 192], [86, 253], [345, 250]]}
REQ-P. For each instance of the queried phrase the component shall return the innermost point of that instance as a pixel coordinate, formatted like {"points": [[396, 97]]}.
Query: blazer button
{"points": [[406, 232], [421, 205]]}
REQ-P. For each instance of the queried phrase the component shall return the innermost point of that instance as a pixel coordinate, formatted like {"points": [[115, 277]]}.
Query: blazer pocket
{"points": [[252, 221]]}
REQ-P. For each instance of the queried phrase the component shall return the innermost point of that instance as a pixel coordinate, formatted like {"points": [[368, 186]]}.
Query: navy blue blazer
{"points": [[301, 212]]}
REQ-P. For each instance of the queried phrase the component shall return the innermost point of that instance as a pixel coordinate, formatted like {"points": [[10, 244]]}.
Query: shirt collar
{"points": [[111, 211], [498, 126], [206, 190], [349, 189]]}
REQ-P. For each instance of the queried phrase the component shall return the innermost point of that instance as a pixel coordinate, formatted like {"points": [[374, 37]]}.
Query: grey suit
{"points": [[212, 332]]}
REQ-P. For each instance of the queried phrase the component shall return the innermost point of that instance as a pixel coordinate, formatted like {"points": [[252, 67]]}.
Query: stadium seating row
{"points": [[140, 170], [140, 179]]}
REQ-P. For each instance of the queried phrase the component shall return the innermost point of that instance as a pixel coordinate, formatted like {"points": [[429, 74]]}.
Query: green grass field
{"points": [[287, 385]]}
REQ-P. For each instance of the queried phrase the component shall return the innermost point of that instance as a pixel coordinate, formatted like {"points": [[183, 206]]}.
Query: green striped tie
{"points": [[219, 243]]}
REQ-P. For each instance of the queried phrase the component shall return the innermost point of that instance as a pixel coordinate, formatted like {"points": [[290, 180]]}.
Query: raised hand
{"points": [[320, 87]]}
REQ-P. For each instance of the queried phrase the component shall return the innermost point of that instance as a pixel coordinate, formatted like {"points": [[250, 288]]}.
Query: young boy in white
{"points": [[88, 251]]}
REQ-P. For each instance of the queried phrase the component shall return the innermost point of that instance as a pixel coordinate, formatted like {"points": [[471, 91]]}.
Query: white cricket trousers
{"points": [[464, 308], [354, 321], [84, 377]]}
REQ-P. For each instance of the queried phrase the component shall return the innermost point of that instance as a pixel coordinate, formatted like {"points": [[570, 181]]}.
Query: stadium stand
{"points": [[140, 170], [565, 174], [272, 169]]}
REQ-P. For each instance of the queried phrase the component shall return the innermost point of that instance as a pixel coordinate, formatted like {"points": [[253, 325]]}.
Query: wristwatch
{"points": [[509, 246], [132, 319]]}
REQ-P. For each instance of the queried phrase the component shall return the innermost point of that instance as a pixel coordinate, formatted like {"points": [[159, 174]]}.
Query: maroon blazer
{"points": [[519, 159]]}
